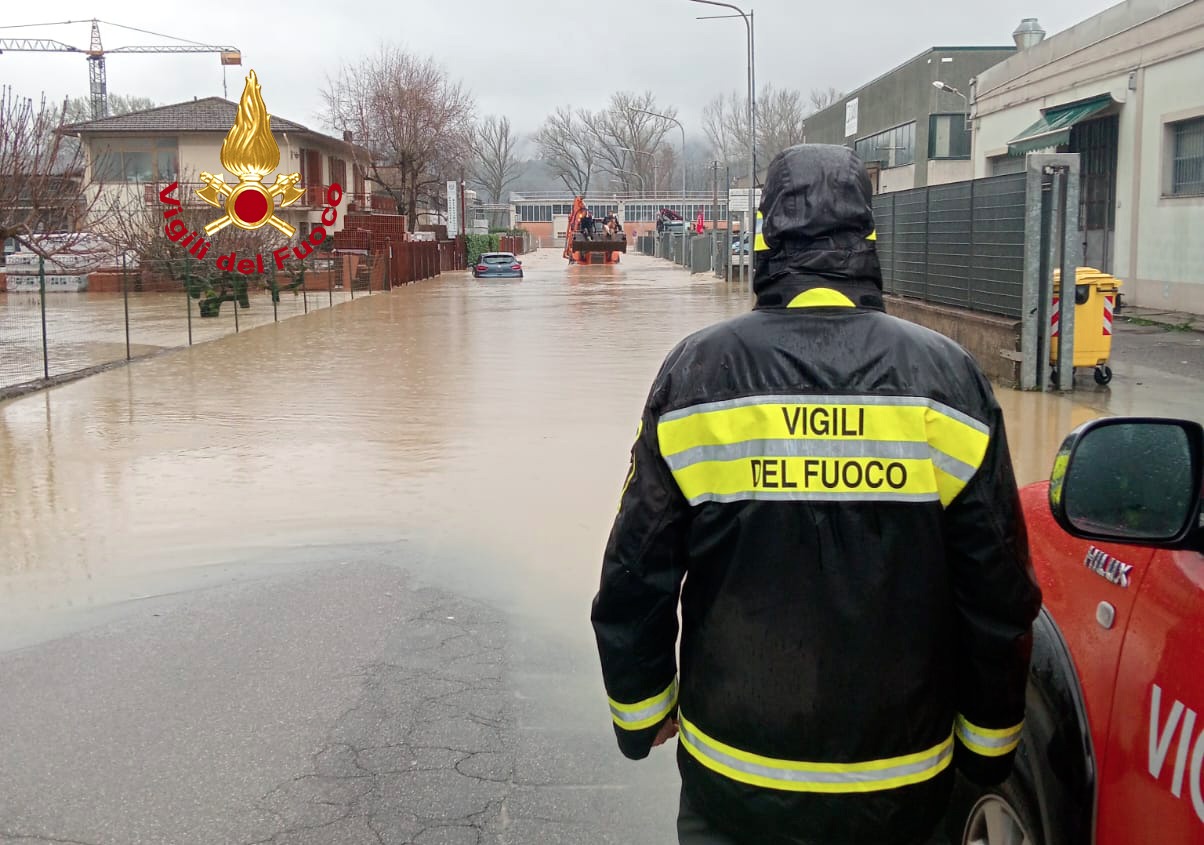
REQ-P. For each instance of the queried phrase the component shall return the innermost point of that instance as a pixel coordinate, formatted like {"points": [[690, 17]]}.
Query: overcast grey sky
{"points": [[519, 57]]}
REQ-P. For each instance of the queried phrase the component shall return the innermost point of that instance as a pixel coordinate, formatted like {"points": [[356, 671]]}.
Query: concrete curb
{"points": [[1173, 320]]}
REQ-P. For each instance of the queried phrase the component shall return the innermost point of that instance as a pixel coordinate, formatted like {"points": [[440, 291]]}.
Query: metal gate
{"points": [[1096, 142]]}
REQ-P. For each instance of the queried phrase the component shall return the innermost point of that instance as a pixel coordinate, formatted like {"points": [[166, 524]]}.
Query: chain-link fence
{"points": [[48, 334]]}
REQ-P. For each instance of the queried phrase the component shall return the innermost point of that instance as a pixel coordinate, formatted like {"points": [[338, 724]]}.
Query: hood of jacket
{"points": [[817, 210]]}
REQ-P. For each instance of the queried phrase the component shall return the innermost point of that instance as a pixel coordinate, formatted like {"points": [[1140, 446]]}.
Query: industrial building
{"points": [[1125, 90]]}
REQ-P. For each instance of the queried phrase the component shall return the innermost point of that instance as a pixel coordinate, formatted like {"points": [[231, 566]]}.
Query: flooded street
{"points": [[471, 436]]}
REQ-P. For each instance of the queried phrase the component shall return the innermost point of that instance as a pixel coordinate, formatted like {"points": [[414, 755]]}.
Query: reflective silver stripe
{"points": [[649, 712], [796, 448], [950, 465], [817, 777], [986, 741], [802, 496], [905, 401]]}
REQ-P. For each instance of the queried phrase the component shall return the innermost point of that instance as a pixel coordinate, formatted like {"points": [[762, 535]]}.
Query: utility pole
{"points": [[714, 195], [715, 253], [463, 210]]}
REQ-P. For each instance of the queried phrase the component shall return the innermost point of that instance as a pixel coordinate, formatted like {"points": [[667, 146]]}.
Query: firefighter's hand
{"points": [[667, 732]]}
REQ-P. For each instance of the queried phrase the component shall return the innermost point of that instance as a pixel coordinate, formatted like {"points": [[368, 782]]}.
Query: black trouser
{"points": [[693, 829]]}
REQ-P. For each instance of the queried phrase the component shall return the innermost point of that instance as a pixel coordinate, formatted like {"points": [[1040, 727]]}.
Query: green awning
{"points": [[1053, 129]]}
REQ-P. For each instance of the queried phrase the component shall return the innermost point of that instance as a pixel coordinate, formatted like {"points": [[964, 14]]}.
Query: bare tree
{"points": [[780, 121], [414, 119], [725, 121], [821, 99], [496, 165], [79, 109], [781, 117], [41, 178], [630, 140], [566, 144], [138, 229]]}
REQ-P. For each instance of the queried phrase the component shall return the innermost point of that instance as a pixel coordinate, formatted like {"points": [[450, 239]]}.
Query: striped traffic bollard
{"points": [[1054, 318]]}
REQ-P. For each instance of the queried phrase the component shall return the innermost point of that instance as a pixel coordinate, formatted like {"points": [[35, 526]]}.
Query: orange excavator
{"points": [[596, 247]]}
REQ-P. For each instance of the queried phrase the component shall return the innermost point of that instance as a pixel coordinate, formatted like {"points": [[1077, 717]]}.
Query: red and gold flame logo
{"points": [[250, 153]]}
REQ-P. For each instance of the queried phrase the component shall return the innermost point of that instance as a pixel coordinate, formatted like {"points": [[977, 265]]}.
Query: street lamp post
{"points": [[683, 151], [752, 119], [643, 184], [652, 156], [949, 89]]}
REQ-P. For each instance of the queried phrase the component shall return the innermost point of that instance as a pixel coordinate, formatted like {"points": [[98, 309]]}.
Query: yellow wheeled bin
{"points": [[1094, 305]]}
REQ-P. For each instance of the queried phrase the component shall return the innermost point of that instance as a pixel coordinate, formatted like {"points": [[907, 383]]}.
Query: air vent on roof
{"points": [[1028, 34]]}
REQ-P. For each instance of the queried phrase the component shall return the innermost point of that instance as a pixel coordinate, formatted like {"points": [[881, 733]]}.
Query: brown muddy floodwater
{"points": [[494, 417]]}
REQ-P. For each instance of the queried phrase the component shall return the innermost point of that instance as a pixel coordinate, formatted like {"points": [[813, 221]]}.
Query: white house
{"points": [[1125, 90]]}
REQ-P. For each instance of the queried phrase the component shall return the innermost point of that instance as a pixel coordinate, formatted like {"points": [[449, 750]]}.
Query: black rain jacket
{"points": [[833, 486]]}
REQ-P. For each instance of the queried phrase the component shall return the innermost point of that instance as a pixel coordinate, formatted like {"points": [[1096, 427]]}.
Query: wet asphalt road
{"points": [[332, 701]]}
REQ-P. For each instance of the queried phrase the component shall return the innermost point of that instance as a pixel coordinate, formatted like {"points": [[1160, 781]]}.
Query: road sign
{"points": [[737, 200]]}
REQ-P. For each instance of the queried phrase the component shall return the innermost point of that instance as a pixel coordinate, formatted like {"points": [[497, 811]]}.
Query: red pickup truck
{"points": [[1113, 748]]}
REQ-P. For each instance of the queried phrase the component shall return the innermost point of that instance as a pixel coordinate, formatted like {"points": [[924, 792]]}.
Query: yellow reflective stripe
{"points": [[989, 742], [811, 478], [872, 236], [823, 418], [959, 446], [822, 447], [799, 776], [646, 713], [759, 244], [819, 298]]}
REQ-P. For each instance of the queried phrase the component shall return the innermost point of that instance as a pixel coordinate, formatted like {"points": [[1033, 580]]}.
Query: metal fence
{"points": [[47, 335], [958, 244]]}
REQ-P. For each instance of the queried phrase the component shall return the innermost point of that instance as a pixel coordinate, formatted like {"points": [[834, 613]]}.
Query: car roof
{"points": [[493, 254]]}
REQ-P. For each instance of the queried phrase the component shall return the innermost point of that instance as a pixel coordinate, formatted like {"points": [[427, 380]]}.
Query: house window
{"points": [[948, 136], [893, 148], [1187, 168], [136, 160], [338, 172], [311, 167]]}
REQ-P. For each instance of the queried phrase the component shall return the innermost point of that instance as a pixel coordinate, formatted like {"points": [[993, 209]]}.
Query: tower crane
{"points": [[95, 53]]}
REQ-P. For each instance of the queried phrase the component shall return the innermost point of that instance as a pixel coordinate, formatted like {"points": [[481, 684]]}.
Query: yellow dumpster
{"points": [[1094, 304]]}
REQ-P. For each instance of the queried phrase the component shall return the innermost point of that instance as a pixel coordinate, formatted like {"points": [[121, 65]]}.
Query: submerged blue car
{"points": [[498, 265]]}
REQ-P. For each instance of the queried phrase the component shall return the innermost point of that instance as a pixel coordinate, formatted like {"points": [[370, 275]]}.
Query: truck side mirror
{"points": [[1130, 480]]}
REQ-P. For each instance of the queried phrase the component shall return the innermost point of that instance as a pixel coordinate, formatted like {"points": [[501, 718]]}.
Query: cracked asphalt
{"points": [[346, 702]]}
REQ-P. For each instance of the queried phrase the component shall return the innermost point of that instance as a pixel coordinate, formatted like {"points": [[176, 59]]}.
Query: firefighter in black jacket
{"points": [[834, 486]]}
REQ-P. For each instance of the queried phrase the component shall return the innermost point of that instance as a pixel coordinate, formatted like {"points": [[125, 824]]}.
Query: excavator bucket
{"points": [[599, 243]]}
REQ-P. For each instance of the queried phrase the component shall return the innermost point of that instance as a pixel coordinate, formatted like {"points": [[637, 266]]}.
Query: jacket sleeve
{"points": [[997, 599], [635, 611]]}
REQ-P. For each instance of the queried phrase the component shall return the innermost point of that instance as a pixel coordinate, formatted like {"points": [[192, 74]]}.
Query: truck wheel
{"points": [[1003, 816], [1103, 374]]}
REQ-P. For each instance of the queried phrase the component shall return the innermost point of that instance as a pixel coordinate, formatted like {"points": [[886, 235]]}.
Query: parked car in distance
{"points": [[1113, 739], [498, 265]]}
